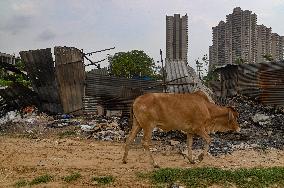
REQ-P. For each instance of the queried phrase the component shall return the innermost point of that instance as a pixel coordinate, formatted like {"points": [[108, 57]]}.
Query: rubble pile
{"points": [[262, 126], [106, 129], [15, 122]]}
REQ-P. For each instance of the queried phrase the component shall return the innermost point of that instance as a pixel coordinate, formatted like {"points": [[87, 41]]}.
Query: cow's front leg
{"points": [[207, 140], [189, 148]]}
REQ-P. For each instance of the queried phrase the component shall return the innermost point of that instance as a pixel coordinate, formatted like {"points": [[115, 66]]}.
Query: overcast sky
{"points": [[126, 24]]}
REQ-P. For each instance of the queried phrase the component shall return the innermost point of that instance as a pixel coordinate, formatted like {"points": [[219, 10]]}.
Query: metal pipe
{"points": [[163, 72], [90, 53]]}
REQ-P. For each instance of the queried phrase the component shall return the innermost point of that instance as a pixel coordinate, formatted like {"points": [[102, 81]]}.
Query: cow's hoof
{"points": [[156, 166], [201, 157], [191, 161]]}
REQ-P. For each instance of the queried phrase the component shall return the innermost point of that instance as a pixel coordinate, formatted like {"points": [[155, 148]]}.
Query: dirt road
{"points": [[25, 158]]}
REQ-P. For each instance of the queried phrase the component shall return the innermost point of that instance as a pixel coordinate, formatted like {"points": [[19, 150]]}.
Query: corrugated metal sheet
{"points": [[59, 85], [182, 78], [179, 78], [90, 104], [112, 87], [116, 93], [102, 71], [70, 76], [216, 87], [40, 68], [262, 81]]}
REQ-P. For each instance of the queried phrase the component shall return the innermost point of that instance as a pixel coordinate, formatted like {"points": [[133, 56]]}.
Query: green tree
{"points": [[239, 61], [203, 68], [268, 57], [199, 68], [8, 77], [212, 75], [135, 63]]}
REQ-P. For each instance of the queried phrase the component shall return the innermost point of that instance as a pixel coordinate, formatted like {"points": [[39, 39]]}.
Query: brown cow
{"points": [[191, 113]]}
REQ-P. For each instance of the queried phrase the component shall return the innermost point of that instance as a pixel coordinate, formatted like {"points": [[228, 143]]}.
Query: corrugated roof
{"points": [[182, 78], [179, 79]]}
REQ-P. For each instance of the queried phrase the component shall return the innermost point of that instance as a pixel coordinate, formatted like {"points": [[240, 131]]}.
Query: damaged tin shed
{"points": [[263, 82], [115, 93], [59, 84]]}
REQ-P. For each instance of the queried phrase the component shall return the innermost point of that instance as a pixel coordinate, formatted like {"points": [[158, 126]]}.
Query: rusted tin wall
{"points": [[115, 93], [216, 87], [90, 104], [108, 87], [229, 82], [40, 68], [70, 75], [263, 81]]}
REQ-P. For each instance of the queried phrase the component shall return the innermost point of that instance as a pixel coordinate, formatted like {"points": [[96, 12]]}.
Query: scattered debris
{"points": [[261, 119], [87, 128], [16, 97], [117, 113], [176, 185], [174, 142], [13, 116]]}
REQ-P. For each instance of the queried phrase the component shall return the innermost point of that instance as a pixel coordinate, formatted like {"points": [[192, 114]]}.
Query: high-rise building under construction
{"points": [[241, 40], [177, 37]]}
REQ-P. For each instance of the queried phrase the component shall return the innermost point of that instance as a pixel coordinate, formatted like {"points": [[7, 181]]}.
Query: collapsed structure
{"points": [[60, 84], [63, 86]]}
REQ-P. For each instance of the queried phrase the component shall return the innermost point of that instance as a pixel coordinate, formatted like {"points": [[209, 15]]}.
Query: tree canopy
{"points": [[205, 71], [13, 73], [239, 61], [268, 57], [135, 63]]}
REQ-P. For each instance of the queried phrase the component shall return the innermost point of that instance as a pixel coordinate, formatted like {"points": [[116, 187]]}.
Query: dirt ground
{"points": [[26, 158]]}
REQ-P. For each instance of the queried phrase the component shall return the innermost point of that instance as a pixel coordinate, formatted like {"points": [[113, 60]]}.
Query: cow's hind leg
{"points": [[146, 144], [189, 148], [135, 129], [207, 139]]}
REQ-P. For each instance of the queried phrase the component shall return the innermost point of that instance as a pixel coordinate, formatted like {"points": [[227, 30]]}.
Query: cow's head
{"points": [[232, 119]]}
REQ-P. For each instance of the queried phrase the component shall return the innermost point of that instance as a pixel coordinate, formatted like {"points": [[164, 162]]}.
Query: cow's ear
{"points": [[231, 116], [232, 108], [236, 114]]}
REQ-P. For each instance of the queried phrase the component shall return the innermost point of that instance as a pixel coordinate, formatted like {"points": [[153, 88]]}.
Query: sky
{"points": [[124, 24]]}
